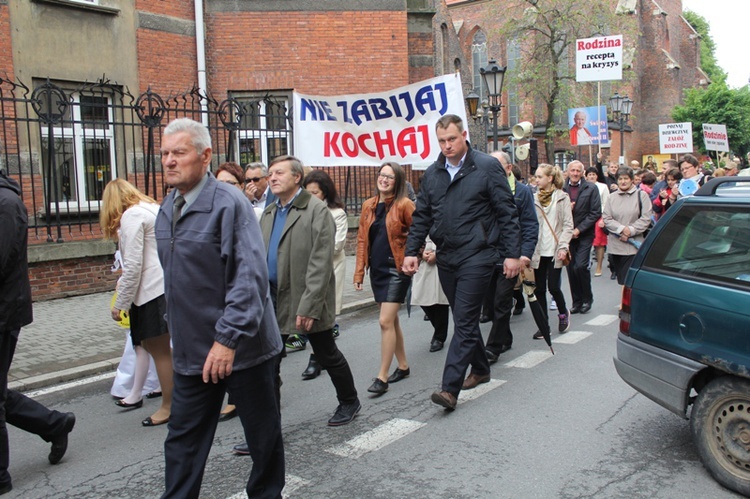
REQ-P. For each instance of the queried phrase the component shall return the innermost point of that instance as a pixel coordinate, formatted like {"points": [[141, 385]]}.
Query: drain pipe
{"points": [[200, 43]]}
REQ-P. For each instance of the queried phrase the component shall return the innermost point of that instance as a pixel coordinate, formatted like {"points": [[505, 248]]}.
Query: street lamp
{"points": [[621, 107], [479, 115], [493, 76]]}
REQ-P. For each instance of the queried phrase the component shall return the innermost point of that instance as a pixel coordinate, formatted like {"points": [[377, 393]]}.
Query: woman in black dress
{"points": [[383, 227]]}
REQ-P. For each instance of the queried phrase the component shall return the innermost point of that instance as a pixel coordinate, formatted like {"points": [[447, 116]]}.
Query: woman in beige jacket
{"points": [[555, 215]]}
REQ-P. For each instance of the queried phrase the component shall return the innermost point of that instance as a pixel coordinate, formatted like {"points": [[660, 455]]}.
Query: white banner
{"points": [[676, 138], [715, 137], [599, 59], [368, 129]]}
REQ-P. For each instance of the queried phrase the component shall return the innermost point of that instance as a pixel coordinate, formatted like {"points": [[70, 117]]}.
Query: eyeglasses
{"points": [[386, 176], [254, 179], [231, 182]]}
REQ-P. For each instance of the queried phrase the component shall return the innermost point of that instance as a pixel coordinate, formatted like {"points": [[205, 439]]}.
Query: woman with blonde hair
{"points": [[128, 216], [383, 227], [555, 214]]}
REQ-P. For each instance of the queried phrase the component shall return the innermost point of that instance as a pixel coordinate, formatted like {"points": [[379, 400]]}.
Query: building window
{"points": [[445, 54], [478, 61], [264, 129], [562, 158], [514, 64], [82, 145]]}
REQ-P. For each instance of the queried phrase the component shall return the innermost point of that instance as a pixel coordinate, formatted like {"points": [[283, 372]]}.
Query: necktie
{"points": [[179, 202]]}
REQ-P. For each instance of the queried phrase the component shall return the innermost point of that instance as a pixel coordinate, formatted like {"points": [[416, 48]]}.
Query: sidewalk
{"points": [[75, 337]]}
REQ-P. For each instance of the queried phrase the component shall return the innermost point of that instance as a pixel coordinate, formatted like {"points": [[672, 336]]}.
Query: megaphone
{"points": [[522, 152], [522, 130]]}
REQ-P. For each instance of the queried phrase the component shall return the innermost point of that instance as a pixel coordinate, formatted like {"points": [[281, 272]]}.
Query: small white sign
{"points": [[676, 138], [715, 137], [599, 59]]}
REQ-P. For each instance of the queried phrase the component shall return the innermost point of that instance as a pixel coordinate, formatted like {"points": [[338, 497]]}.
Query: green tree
{"points": [[546, 32], [707, 46], [721, 105]]}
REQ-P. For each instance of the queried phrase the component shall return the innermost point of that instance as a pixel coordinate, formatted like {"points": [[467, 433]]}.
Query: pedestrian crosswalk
{"points": [[396, 429]]}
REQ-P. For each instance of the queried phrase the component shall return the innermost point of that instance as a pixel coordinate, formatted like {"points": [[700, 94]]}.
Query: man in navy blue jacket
{"points": [[500, 338], [466, 206], [220, 316]]}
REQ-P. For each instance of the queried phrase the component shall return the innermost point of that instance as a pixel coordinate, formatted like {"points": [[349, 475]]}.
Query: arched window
{"points": [[444, 53], [514, 65], [478, 60]]}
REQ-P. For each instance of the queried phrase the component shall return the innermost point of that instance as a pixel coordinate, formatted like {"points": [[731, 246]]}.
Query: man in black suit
{"points": [[15, 312], [587, 208]]}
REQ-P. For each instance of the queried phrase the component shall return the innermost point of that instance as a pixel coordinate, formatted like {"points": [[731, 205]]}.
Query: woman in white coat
{"points": [[427, 292], [129, 216]]}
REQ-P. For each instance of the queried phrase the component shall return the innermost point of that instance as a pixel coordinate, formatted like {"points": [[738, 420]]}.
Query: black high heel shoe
{"points": [[125, 405]]}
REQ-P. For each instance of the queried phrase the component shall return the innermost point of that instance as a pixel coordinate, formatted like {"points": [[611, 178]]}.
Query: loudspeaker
{"points": [[522, 130], [522, 152]]}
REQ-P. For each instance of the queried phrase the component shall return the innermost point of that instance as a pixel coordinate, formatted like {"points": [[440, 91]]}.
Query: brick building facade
{"points": [[665, 62]]}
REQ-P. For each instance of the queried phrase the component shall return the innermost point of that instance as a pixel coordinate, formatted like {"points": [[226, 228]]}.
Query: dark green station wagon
{"points": [[684, 339]]}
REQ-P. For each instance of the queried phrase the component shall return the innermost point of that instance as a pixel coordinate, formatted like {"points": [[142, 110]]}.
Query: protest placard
{"points": [[715, 137], [676, 138], [367, 129], [599, 59]]}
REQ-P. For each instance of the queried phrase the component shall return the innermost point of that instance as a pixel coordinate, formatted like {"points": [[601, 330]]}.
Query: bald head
{"points": [[504, 160]]}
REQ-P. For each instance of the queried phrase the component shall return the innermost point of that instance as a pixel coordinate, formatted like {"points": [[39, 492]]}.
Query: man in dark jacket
{"points": [[466, 206], [500, 338], [220, 316], [587, 208], [15, 312]]}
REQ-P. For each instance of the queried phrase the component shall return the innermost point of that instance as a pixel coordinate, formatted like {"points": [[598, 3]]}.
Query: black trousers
{"points": [[192, 425], [332, 360], [465, 287], [438, 315], [548, 275], [19, 410], [579, 274], [502, 310]]}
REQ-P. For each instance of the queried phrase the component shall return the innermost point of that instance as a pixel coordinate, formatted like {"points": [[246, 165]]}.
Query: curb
{"points": [[104, 366]]}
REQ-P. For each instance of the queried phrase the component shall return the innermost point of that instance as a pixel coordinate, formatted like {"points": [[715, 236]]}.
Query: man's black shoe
{"points": [[517, 311], [575, 309], [60, 442], [483, 319], [345, 413], [241, 449], [585, 308], [436, 345], [4, 489], [491, 356]]}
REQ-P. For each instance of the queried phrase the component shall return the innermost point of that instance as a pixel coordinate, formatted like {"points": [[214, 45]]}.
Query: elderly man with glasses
{"points": [[256, 185]]}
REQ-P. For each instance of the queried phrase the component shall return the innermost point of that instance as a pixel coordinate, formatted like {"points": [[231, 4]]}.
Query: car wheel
{"points": [[720, 424]]}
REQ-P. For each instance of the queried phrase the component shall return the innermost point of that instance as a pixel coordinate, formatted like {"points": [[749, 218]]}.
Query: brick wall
{"points": [[324, 53], [58, 279]]}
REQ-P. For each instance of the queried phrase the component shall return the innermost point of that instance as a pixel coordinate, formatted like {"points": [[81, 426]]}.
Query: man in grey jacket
{"points": [[220, 316]]}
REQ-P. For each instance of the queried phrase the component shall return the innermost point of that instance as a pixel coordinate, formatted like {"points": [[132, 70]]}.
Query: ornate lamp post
{"points": [[621, 107], [493, 76], [479, 114]]}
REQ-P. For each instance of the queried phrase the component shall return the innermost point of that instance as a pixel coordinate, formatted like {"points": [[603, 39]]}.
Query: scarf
{"points": [[545, 197]]}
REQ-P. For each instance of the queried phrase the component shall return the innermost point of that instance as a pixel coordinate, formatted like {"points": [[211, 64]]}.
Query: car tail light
{"points": [[625, 311]]}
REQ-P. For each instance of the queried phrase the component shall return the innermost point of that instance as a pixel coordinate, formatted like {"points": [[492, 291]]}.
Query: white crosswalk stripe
{"points": [[571, 337], [602, 320], [377, 438], [480, 390], [293, 483], [529, 359]]}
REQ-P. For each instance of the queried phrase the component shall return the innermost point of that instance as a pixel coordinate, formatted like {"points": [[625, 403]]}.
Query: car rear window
{"points": [[706, 242]]}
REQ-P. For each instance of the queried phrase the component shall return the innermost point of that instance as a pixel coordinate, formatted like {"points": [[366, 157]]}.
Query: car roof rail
{"points": [[710, 187]]}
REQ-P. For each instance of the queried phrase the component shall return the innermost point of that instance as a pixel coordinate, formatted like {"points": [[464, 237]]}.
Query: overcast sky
{"points": [[728, 20]]}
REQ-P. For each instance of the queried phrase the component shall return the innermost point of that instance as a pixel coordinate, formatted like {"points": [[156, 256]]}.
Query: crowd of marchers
{"points": [[238, 266]]}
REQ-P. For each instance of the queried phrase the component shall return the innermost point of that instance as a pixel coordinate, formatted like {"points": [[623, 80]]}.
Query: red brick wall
{"points": [[6, 52], [312, 52], [174, 8], [83, 276]]}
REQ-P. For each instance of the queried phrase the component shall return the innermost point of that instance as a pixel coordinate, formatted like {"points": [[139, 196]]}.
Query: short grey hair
{"points": [[255, 165], [296, 165], [502, 156], [198, 133]]}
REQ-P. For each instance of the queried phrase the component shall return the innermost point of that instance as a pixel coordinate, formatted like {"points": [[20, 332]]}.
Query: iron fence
{"points": [[64, 142]]}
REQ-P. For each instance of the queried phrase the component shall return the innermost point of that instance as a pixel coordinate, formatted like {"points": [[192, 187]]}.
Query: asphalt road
{"points": [[558, 427]]}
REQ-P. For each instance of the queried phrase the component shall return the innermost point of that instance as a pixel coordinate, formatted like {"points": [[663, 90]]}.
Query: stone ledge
{"points": [[50, 252]]}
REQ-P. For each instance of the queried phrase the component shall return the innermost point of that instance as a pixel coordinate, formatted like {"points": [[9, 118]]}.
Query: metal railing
{"points": [[64, 142]]}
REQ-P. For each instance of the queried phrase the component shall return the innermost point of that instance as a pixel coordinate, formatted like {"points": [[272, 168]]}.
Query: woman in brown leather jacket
{"points": [[383, 227]]}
